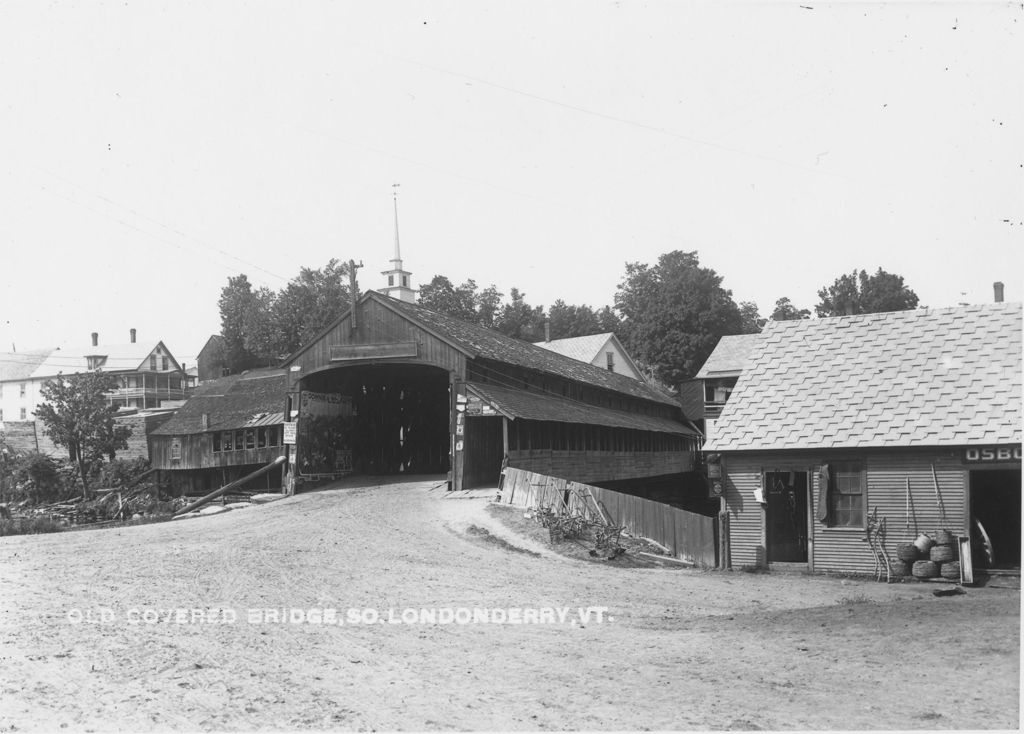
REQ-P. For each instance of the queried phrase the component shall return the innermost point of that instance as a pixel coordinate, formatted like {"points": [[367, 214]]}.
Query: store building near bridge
{"points": [[915, 415]]}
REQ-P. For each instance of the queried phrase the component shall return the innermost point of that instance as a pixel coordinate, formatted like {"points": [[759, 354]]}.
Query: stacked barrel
{"points": [[929, 557]]}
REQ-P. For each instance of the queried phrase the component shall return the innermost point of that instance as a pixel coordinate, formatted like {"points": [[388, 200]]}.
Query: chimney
{"points": [[131, 332], [205, 418], [998, 288], [547, 329], [95, 338]]}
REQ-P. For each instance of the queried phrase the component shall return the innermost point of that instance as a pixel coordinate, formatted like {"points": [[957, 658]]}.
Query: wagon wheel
{"points": [[986, 544]]}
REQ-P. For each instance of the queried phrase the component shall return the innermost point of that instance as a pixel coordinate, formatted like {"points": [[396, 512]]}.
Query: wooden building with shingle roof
{"points": [[410, 390], [230, 427], [915, 415]]}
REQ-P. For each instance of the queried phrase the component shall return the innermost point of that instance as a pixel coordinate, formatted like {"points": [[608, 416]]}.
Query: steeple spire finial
{"points": [[397, 259], [398, 277]]}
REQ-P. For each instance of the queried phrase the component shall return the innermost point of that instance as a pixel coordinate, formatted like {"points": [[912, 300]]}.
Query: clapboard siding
{"points": [[378, 324], [845, 549], [600, 466], [741, 476]]}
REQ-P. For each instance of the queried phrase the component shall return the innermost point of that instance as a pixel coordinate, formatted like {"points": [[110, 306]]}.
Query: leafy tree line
{"points": [[670, 314]]}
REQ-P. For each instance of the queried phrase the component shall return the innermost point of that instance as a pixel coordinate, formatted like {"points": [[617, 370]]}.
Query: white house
{"points": [[600, 350]]}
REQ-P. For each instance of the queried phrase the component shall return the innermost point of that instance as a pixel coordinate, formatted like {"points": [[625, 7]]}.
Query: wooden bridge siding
{"points": [[380, 325], [197, 453], [601, 466], [688, 535]]}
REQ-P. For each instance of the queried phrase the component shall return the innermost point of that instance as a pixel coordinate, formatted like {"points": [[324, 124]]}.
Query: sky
{"points": [[150, 151]]}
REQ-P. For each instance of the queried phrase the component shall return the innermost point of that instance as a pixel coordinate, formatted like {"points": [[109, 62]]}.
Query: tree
{"points": [[520, 320], [751, 318], [858, 292], [441, 296], [569, 321], [308, 304], [674, 314], [608, 320], [487, 305], [76, 415], [786, 311], [245, 323]]}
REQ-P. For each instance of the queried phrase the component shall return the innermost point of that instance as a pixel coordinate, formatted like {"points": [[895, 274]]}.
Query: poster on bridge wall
{"points": [[324, 433]]}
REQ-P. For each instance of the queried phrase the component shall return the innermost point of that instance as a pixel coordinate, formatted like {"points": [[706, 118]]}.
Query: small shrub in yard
{"points": [[29, 526]]}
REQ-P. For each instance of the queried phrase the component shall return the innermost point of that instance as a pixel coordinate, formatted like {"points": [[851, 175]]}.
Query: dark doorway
{"points": [[786, 516], [484, 451], [995, 518], [401, 414]]}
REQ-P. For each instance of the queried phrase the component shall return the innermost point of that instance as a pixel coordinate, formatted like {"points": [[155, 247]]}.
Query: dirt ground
{"points": [[677, 649]]}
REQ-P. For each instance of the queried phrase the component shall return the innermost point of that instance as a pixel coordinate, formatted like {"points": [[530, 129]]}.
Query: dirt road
{"points": [[678, 649]]}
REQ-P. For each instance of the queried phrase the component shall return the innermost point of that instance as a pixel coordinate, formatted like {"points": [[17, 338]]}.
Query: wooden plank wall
{"points": [[601, 466], [845, 549], [379, 325], [688, 535]]}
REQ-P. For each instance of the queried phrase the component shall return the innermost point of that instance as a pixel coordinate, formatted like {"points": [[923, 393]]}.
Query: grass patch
{"points": [[486, 536]]}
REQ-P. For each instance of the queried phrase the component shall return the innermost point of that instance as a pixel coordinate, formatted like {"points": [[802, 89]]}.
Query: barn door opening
{"points": [[484, 452], [786, 516], [995, 518]]}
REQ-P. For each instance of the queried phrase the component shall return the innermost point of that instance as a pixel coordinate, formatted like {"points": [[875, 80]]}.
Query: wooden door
{"points": [[786, 516]]}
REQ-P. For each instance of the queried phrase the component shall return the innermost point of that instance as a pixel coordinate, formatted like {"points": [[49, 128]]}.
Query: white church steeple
{"points": [[398, 278]]}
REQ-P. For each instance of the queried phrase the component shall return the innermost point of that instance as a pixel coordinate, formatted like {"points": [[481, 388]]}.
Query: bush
{"points": [[37, 478], [29, 526], [120, 472]]}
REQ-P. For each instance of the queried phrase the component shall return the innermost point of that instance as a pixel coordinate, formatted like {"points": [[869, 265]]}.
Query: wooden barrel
{"points": [[924, 543], [900, 568], [944, 537], [907, 552], [925, 569]]}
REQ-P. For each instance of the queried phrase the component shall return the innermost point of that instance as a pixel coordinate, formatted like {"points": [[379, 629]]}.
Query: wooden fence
{"points": [[688, 535]]}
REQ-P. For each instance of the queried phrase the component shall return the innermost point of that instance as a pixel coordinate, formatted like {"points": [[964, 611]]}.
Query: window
{"points": [[250, 439], [152, 362], [1, 415], [391, 280], [405, 281], [216, 442], [166, 364], [239, 438], [846, 495], [261, 438], [225, 441], [610, 356], [24, 414], [21, 390]]}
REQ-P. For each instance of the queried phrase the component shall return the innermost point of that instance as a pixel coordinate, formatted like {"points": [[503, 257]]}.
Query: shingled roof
{"points": [[479, 341], [21, 365], [939, 377], [729, 357], [533, 406], [253, 398]]}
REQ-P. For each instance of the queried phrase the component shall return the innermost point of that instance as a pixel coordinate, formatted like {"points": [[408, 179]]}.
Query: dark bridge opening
{"points": [[398, 421]]}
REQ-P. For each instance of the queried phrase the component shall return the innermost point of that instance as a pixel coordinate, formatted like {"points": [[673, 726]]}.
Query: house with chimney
{"points": [[911, 418], [146, 373]]}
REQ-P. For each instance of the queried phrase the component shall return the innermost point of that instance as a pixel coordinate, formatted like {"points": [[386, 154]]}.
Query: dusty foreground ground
{"points": [[679, 649]]}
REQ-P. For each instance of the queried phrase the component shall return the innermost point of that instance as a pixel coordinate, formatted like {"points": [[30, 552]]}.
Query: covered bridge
{"points": [[393, 387]]}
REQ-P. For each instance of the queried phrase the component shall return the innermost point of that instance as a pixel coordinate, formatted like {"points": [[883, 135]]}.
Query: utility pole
{"points": [[353, 289]]}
